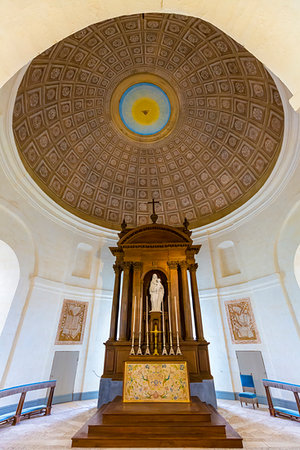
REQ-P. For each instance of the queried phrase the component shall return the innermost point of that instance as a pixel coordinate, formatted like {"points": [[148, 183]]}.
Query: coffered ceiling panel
{"points": [[220, 139]]}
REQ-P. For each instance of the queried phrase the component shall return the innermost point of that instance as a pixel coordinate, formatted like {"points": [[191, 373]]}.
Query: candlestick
{"points": [[147, 352], [178, 351], [155, 332], [170, 329], [139, 352], [176, 317], [164, 351], [132, 329]]}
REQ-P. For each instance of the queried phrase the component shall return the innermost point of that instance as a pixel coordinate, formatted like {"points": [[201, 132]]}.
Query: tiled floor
{"points": [[257, 428]]}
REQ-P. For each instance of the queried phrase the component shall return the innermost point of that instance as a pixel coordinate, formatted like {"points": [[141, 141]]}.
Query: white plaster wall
{"points": [[214, 332]]}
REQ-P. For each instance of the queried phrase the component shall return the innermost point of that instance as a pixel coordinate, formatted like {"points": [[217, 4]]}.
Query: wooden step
{"points": [[155, 431], [94, 442], [120, 413]]}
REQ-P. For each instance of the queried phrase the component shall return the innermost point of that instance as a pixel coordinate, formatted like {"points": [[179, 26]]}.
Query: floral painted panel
{"points": [[72, 322], [156, 382], [241, 322]]}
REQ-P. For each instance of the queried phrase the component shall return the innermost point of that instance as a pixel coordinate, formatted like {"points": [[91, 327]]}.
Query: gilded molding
{"points": [[172, 264]]}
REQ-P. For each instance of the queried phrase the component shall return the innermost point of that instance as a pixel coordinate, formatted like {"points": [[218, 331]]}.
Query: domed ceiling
{"points": [[148, 106]]}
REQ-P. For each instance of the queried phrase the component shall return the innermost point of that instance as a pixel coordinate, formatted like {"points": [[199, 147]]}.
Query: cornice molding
{"points": [[64, 289], [246, 288]]}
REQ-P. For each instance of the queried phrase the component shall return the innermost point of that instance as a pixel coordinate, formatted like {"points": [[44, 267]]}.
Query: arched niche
{"points": [[228, 260], [9, 279], [286, 260], [146, 285], [83, 261], [288, 241], [15, 232]]}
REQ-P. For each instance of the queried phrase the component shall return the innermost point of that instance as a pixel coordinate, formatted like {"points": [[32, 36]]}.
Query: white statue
{"points": [[156, 293]]}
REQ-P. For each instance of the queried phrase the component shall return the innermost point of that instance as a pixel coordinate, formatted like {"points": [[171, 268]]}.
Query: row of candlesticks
{"points": [[155, 332]]}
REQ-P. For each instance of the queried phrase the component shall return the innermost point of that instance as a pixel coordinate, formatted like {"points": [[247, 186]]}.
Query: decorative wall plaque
{"points": [[241, 322], [156, 382], [72, 322]]}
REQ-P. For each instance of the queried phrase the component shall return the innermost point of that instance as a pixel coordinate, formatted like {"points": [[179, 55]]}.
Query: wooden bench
{"points": [[15, 417], [278, 410]]}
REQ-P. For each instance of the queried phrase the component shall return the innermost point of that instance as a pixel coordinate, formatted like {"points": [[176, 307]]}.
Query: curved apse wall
{"points": [[9, 278]]}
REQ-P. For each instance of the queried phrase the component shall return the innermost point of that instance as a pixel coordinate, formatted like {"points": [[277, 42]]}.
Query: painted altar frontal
{"points": [[156, 382]]}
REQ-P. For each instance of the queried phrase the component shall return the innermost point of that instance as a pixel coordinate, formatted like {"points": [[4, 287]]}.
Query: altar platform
{"points": [[194, 424]]}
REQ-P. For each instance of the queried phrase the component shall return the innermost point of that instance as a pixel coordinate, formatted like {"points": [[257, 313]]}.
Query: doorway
{"points": [[63, 370], [252, 362]]}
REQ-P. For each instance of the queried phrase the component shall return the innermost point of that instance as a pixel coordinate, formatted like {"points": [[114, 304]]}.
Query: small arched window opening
{"points": [[9, 279]]}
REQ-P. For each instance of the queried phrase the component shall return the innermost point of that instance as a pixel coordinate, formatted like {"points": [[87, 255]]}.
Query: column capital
{"points": [[137, 265], [126, 265], [172, 264], [183, 264], [117, 268], [193, 267]]}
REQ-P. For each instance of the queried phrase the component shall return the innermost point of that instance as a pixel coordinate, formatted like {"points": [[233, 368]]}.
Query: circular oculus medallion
{"points": [[145, 109]]}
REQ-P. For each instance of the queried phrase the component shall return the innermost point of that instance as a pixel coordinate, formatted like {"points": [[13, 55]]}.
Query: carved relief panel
{"points": [[72, 322], [241, 322]]}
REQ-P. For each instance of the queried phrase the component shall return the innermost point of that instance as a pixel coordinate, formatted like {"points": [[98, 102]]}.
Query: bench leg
{"points": [[49, 402], [17, 417]]}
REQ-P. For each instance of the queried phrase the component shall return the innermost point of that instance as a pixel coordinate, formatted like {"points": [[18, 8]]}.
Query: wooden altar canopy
{"points": [[168, 253]]}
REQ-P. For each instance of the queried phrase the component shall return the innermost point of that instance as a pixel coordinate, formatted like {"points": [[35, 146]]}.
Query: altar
{"points": [[156, 382], [156, 371]]}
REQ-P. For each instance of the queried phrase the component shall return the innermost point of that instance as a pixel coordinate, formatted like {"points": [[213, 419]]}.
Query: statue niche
{"points": [[156, 289], [155, 294]]}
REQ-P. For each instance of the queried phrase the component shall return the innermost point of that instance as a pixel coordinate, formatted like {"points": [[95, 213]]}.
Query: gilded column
{"points": [[174, 292], [196, 302], [124, 302], [137, 292], [115, 303], [186, 301]]}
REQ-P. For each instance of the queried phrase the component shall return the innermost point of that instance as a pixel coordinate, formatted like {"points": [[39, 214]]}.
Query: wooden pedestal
{"points": [[193, 424]]}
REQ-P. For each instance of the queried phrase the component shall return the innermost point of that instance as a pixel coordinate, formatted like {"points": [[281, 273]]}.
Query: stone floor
{"points": [[257, 428]]}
